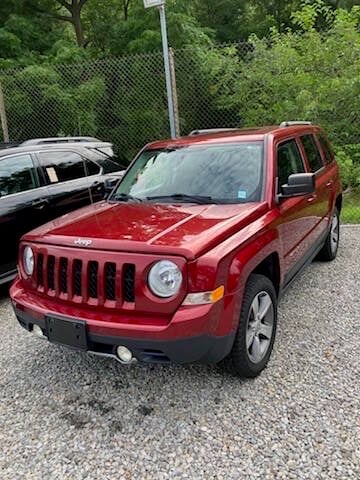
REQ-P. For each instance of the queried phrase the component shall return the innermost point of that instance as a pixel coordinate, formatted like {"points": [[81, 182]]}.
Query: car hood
{"points": [[179, 229]]}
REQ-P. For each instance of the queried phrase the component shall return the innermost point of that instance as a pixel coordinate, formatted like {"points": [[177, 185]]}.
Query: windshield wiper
{"points": [[182, 197], [124, 197]]}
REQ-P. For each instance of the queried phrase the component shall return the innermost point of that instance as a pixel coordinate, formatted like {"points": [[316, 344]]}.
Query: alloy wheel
{"points": [[260, 326]]}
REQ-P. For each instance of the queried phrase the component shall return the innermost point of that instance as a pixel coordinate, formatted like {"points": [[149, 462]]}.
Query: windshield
{"points": [[221, 173]]}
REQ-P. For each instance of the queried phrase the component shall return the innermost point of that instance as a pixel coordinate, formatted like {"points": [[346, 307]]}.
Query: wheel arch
{"points": [[270, 268], [262, 258]]}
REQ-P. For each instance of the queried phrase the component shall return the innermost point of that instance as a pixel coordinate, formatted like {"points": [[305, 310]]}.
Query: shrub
{"points": [[303, 75]]}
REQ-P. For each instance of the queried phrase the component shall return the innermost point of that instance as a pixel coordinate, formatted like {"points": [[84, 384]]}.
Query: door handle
{"points": [[40, 204], [311, 199], [97, 186], [330, 184]]}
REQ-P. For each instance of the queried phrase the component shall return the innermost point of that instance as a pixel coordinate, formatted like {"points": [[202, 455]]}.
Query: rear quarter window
{"points": [[312, 152], [326, 148], [91, 168]]}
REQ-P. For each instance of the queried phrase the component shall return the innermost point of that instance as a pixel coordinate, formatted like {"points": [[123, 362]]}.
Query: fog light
{"points": [[124, 354], [37, 331]]}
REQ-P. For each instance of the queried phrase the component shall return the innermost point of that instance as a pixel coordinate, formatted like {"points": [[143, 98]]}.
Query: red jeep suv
{"points": [[187, 258]]}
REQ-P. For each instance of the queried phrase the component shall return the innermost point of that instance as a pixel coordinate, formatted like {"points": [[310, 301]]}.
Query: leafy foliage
{"points": [[348, 157], [39, 89], [302, 75], [117, 27]]}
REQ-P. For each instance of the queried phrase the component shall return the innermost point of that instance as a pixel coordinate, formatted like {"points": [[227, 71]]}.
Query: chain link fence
{"points": [[123, 100]]}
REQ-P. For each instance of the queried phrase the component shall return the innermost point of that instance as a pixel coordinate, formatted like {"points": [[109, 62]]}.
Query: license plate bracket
{"points": [[71, 333]]}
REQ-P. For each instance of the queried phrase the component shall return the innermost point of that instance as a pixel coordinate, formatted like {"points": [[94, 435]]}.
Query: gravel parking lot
{"points": [[66, 415]]}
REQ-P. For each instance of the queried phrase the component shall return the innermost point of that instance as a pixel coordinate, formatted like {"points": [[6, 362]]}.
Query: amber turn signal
{"points": [[204, 298]]}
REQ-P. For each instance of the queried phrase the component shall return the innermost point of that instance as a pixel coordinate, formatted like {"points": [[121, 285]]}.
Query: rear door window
{"points": [[312, 152], [17, 174], [289, 162], [63, 166]]}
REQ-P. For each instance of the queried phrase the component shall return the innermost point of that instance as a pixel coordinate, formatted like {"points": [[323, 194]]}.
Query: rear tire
{"points": [[257, 329], [331, 246]]}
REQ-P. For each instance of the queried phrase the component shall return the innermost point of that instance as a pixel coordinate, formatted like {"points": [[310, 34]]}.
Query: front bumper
{"points": [[200, 349], [202, 334]]}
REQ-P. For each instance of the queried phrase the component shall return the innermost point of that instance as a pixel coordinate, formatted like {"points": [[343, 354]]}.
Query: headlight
{"points": [[165, 279], [28, 261]]}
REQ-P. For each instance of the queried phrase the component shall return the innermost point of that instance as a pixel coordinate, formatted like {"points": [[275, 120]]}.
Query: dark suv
{"points": [[43, 181]]}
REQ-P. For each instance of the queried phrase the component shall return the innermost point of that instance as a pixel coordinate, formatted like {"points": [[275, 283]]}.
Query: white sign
{"points": [[52, 174], [153, 3]]}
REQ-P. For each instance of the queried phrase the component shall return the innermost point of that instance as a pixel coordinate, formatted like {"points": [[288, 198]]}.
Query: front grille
{"points": [[83, 280]]}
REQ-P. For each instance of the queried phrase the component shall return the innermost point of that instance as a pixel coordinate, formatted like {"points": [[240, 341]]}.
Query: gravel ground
{"points": [[66, 415]]}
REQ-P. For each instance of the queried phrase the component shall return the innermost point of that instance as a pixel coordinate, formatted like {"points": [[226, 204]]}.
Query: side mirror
{"points": [[298, 184], [109, 186]]}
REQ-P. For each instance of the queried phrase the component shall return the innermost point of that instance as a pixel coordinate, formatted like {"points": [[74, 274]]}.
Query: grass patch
{"points": [[351, 208]]}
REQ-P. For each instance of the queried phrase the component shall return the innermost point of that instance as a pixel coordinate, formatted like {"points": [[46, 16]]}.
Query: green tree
{"points": [[69, 11], [47, 101], [300, 75]]}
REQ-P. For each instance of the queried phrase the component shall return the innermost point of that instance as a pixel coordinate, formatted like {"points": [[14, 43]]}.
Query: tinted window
{"points": [[107, 161], [289, 162], [17, 174], [62, 166], [92, 168], [312, 152], [327, 148], [110, 166], [227, 173]]}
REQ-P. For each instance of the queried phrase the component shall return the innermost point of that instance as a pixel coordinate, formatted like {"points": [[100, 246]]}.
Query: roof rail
{"points": [[212, 130], [50, 140], [291, 124], [4, 145]]}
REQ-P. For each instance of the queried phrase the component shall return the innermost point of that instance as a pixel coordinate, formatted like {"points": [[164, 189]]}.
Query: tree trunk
{"points": [[78, 27], [74, 8], [126, 9]]}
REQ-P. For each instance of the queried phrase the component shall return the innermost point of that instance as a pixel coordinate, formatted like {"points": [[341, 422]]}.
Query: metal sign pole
{"points": [[161, 5], [167, 71], [3, 118]]}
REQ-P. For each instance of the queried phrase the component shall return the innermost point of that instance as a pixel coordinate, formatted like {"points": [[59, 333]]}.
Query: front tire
{"points": [[257, 329], [331, 246]]}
